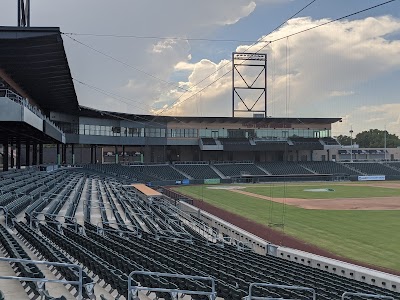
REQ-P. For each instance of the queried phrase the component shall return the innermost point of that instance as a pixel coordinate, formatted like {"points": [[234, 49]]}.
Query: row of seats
{"points": [[329, 167], [109, 265], [284, 168], [74, 200], [148, 173], [239, 169], [201, 171], [51, 253], [113, 256], [160, 172], [373, 168], [14, 250], [251, 267], [143, 260]]}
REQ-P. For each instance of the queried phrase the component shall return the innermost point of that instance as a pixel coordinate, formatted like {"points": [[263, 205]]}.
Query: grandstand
{"points": [[111, 231], [370, 168], [88, 219]]}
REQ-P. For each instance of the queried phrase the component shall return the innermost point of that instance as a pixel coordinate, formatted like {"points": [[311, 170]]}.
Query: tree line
{"points": [[373, 138]]}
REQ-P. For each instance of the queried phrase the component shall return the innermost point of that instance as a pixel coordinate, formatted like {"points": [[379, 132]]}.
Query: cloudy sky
{"points": [[158, 56]]}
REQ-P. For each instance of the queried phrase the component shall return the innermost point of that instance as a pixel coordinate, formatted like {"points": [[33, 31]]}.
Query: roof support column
{"points": [[5, 155], [64, 153], [27, 153], [11, 156], [58, 154], [34, 154], [91, 154], [116, 154], [123, 153], [95, 154], [18, 154], [72, 154], [40, 153]]}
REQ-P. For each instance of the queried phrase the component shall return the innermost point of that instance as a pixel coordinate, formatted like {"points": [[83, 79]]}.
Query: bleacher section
{"points": [[140, 172], [144, 234], [197, 171], [393, 165], [373, 168], [204, 170], [307, 143], [239, 169], [329, 167], [284, 168], [161, 172]]}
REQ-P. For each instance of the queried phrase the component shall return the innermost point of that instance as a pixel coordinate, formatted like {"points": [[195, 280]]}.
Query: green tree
{"points": [[344, 140], [375, 138]]}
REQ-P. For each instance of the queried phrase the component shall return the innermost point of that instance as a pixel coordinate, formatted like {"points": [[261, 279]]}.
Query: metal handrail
{"points": [[44, 280], [99, 229], [287, 287], [5, 211], [25, 103], [36, 219], [132, 290], [365, 295]]}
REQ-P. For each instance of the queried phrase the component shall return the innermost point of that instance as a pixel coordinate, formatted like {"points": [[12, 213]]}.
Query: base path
{"points": [[377, 203]]}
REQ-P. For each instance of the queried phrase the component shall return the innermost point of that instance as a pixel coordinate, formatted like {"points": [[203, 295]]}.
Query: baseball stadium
{"points": [[97, 204]]}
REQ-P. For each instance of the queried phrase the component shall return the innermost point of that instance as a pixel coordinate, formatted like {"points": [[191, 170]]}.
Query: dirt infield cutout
{"points": [[377, 203]]}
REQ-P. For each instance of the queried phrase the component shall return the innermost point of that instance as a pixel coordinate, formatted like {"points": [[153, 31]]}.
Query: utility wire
{"points": [[112, 95], [126, 64], [162, 80], [159, 37], [230, 61], [328, 22], [120, 98], [276, 40]]}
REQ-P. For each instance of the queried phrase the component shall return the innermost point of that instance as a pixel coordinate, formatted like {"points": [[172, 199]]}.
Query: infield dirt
{"points": [[377, 203]]}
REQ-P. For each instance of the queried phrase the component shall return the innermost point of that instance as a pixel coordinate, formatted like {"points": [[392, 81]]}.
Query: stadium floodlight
{"points": [[255, 61]]}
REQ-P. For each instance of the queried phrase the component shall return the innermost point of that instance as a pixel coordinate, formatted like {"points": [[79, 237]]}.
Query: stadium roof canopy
{"points": [[34, 58], [95, 113]]}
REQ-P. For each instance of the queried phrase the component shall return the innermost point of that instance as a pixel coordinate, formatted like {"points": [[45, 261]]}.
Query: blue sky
{"points": [[348, 69]]}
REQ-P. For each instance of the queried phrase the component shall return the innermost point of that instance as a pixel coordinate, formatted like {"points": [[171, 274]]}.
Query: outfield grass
{"points": [[340, 191], [368, 236]]}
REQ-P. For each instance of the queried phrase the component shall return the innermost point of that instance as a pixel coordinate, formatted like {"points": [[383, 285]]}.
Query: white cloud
{"points": [[371, 117], [244, 11], [184, 66], [326, 66], [322, 64], [166, 45], [175, 18], [341, 93]]}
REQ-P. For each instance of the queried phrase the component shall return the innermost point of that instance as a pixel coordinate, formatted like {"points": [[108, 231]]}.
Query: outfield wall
{"points": [[263, 247]]}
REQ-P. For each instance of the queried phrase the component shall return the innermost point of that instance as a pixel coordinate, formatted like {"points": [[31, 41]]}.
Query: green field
{"points": [[368, 236]]}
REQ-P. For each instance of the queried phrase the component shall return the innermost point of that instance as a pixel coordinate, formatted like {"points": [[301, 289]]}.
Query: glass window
{"points": [[116, 130], [155, 132]]}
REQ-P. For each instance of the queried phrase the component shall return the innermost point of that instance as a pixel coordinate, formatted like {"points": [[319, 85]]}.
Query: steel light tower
{"points": [[24, 13], [253, 61]]}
